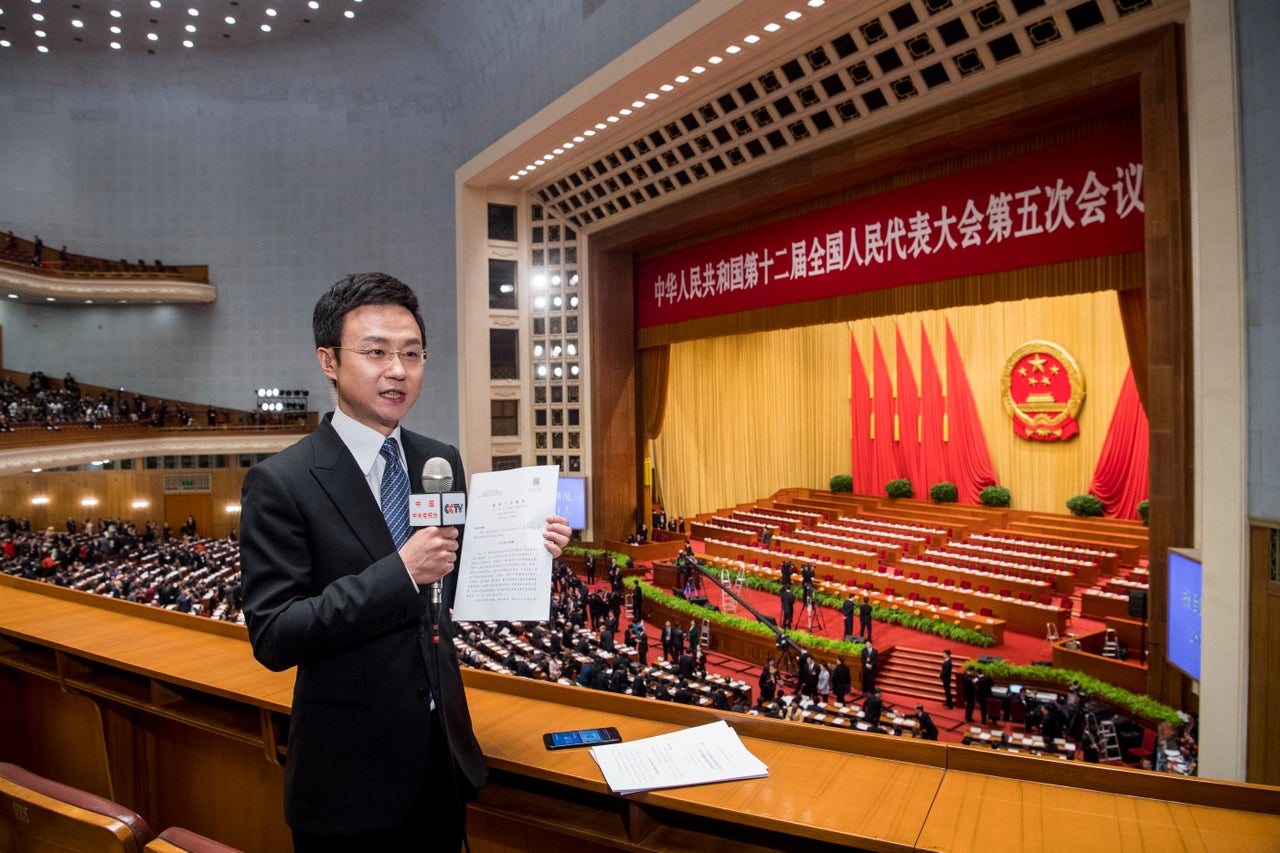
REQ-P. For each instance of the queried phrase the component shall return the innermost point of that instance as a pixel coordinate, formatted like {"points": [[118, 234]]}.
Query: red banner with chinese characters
{"points": [[1078, 200]]}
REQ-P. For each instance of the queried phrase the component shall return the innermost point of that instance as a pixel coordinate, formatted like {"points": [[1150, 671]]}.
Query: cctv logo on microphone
{"points": [[455, 508], [424, 510]]}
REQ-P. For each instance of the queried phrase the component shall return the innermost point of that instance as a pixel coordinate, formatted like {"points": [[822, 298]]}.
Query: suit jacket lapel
{"points": [[343, 481]]}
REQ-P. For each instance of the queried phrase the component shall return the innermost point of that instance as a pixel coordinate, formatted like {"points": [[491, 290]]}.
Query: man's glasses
{"points": [[384, 357]]}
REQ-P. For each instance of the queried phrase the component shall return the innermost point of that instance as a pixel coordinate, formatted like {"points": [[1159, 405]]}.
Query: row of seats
{"points": [[39, 814]]}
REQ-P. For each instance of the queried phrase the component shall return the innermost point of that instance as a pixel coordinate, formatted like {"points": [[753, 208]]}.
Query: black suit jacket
{"points": [[326, 591]]}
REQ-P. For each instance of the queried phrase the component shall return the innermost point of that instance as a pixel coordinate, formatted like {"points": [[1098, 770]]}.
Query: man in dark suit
{"points": [[864, 618], [870, 657], [847, 610], [945, 675], [788, 606], [381, 751]]}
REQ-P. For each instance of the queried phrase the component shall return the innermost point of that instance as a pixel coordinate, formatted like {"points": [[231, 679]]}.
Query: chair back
{"points": [[175, 839], [39, 815]]}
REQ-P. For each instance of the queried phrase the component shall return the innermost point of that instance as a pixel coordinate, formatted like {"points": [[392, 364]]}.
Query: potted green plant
{"points": [[944, 493], [997, 496], [1143, 508], [842, 483], [900, 488], [1086, 505]]}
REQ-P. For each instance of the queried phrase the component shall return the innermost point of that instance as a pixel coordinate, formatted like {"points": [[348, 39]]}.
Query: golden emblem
{"points": [[1043, 390]]}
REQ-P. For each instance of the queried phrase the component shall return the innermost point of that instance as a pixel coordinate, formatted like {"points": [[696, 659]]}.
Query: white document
{"points": [[696, 756], [505, 567]]}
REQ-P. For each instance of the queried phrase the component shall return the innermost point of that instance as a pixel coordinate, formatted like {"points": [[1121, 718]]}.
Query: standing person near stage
{"points": [[788, 606], [336, 584], [864, 618], [870, 657], [841, 679], [847, 609], [945, 675]]}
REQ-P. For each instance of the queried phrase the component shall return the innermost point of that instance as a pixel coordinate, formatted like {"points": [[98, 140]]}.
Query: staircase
{"points": [[911, 672]]}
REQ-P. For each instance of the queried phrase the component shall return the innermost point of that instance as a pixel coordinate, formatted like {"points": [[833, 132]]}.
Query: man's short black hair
{"points": [[354, 291]]}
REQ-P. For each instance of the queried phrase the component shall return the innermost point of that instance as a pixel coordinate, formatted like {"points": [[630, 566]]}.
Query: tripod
{"points": [[813, 615]]}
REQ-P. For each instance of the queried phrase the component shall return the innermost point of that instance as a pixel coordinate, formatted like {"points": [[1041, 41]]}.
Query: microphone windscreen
{"points": [[437, 476]]}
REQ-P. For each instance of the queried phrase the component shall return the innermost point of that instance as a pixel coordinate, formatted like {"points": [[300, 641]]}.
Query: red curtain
{"points": [[1120, 479], [968, 459], [884, 466], [863, 454], [933, 459], [907, 447]]}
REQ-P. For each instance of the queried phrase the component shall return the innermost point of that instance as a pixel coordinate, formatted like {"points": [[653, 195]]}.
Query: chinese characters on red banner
{"points": [[1079, 200]]}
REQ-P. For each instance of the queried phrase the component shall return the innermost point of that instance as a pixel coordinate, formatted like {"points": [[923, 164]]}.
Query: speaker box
{"points": [[700, 600], [1138, 603], [989, 658]]}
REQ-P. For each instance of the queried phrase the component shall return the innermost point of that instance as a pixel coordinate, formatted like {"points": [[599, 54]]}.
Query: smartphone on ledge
{"points": [[581, 737]]}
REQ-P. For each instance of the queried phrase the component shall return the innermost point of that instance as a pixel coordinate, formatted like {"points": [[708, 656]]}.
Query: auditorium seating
{"points": [[175, 839], [39, 814]]}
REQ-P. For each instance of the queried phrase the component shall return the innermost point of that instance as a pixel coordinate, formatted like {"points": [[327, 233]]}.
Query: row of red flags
{"points": [[949, 444]]}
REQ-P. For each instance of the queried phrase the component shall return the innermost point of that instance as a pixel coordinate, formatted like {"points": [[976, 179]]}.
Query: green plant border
{"points": [[893, 616], [1141, 705], [619, 557]]}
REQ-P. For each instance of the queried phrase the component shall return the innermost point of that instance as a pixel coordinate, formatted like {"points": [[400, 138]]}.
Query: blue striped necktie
{"points": [[395, 493]]}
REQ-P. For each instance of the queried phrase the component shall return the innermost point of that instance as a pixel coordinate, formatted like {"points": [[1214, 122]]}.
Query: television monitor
{"points": [[1186, 586], [571, 501]]}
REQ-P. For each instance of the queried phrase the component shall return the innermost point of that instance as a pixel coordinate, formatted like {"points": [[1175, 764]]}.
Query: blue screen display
{"points": [[571, 501], [1186, 585]]}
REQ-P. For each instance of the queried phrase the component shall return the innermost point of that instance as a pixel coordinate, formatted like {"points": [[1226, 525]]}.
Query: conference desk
{"points": [[170, 715]]}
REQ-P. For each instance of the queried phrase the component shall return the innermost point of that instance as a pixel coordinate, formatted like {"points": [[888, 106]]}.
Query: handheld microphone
{"points": [[437, 506]]}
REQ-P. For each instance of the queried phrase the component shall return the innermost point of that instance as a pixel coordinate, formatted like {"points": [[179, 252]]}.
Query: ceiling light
{"points": [[792, 16], [229, 19], [588, 133], [513, 177], [77, 23], [193, 12], [266, 28], [813, 4], [637, 104], [313, 4], [44, 49], [152, 37], [540, 280], [271, 13], [579, 139], [733, 48], [540, 303], [191, 28], [573, 369], [666, 87], [188, 43], [521, 173], [566, 145], [624, 112], [6, 43], [155, 4], [698, 69], [115, 45], [751, 39], [572, 349], [555, 279], [772, 28], [612, 119], [600, 126], [652, 96], [558, 151], [537, 350], [558, 372], [40, 34], [37, 17], [11, 295], [542, 371], [539, 162], [715, 60], [349, 14], [556, 350]]}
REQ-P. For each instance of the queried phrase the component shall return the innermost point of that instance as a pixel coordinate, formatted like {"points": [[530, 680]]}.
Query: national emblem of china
{"points": [[1043, 390]]}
